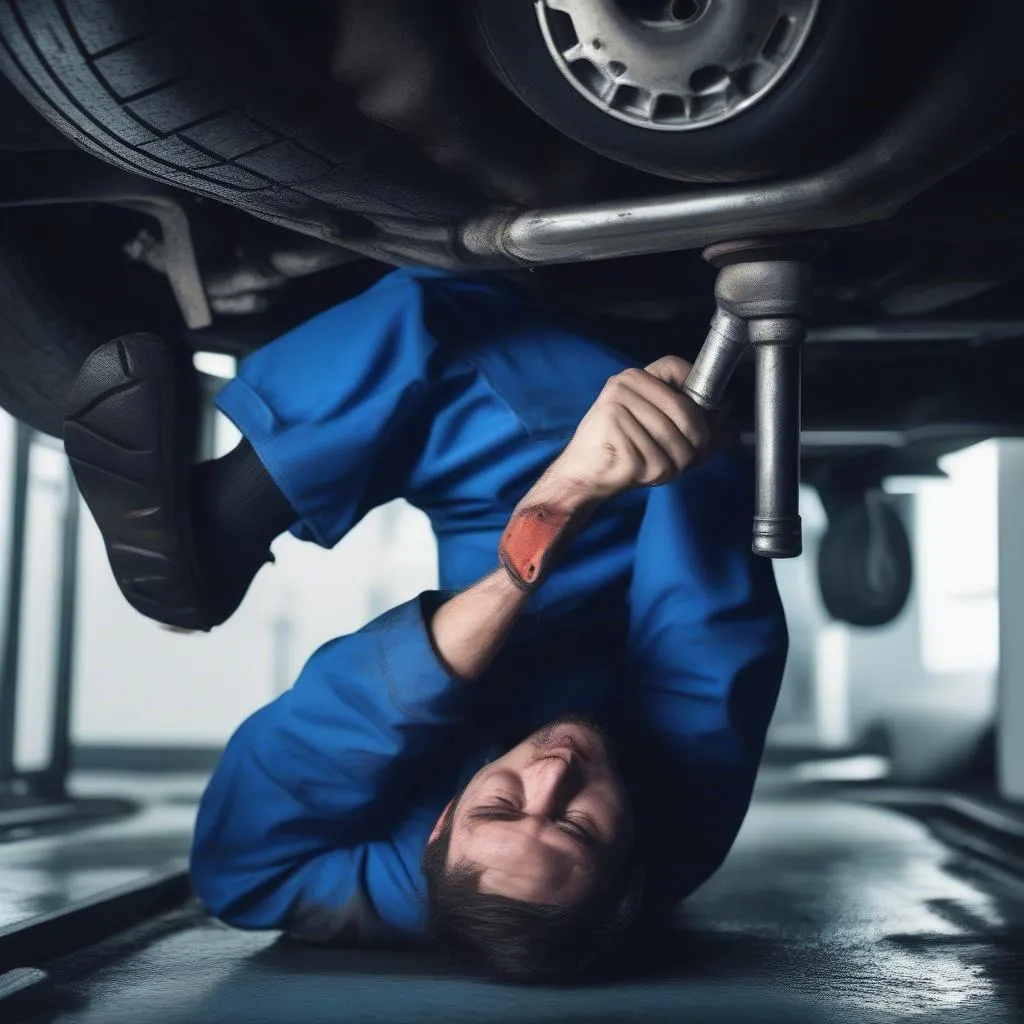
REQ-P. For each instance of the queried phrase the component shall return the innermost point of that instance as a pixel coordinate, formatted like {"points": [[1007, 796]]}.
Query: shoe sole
{"points": [[129, 435]]}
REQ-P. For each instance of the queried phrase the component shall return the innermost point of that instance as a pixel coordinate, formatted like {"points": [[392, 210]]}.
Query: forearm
{"points": [[472, 627], [641, 431]]}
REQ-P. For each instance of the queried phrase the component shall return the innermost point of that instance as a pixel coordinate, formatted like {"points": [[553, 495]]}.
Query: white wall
{"points": [[929, 677], [138, 683], [796, 721]]}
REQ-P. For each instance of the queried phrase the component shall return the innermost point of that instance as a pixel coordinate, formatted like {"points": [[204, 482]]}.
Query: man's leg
{"points": [[184, 541]]}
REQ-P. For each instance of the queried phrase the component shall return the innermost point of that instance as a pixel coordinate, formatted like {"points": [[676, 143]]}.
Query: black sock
{"points": [[237, 510]]}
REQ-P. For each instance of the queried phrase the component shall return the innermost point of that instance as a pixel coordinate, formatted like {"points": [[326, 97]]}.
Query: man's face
{"points": [[547, 822]]}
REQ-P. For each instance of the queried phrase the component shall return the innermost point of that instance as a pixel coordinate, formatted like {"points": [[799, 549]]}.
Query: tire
{"points": [[42, 345], [813, 113], [232, 100], [852, 589]]}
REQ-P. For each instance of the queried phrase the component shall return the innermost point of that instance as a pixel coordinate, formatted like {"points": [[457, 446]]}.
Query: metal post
{"points": [[12, 618], [777, 345], [53, 782]]}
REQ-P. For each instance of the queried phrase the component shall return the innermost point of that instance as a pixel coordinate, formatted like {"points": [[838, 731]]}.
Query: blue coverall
{"points": [[456, 394]]}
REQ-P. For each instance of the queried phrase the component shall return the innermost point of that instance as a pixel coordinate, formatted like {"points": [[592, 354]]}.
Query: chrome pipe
{"points": [[718, 358], [777, 346]]}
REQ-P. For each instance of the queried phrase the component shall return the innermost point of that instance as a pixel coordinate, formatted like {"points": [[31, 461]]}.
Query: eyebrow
{"points": [[582, 837]]}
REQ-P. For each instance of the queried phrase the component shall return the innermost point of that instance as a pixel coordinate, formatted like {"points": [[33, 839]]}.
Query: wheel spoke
{"points": [[570, 7], [607, 91], [675, 65]]}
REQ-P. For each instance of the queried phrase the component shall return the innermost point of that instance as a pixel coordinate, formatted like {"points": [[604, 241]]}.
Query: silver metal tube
{"points": [[689, 220], [777, 346], [719, 355]]}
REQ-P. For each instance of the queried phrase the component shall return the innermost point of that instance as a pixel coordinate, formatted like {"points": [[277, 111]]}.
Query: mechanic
{"points": [[539, 760]]}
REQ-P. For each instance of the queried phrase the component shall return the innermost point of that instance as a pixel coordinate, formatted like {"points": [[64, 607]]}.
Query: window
{"points": [[956, 561]]}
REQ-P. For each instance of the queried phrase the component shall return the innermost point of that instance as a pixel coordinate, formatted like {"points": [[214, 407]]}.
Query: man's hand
{"points": [[643, 430]]}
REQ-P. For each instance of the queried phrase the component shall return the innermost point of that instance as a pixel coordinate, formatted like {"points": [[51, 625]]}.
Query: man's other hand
{"points": [[642, 431]]}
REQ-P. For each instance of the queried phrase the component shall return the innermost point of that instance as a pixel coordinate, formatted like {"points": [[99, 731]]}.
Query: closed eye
{"points": [[504, 810]]}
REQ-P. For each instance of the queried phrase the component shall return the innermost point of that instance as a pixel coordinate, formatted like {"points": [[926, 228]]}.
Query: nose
{"points": [[552, 781]]}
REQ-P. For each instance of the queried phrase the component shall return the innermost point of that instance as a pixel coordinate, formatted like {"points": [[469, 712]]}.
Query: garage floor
{"points": [[827, 910], [147, 830]]}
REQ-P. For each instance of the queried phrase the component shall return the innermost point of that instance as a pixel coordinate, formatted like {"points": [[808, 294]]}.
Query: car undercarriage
{"points": [[218, 173]]}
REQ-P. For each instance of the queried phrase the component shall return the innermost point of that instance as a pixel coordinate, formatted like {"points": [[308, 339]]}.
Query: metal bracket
{"points": [[97, 183], [180, 262]]}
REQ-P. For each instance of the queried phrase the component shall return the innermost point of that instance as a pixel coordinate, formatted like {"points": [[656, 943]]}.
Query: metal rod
{"points": [[777, 345], [12, 620], [181, 266], [55, 781], [718, 358]]}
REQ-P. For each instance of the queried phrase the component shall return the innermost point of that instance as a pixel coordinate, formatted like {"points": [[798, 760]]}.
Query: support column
{"points": [[1010, 703]]}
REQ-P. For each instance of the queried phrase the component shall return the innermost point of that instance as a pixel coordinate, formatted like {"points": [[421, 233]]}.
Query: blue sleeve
{"points": [[293, 831], [332, 407], [706, 650]]}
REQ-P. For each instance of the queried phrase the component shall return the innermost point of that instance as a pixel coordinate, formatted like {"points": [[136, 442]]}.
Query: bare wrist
{"points": [[561, 489]]}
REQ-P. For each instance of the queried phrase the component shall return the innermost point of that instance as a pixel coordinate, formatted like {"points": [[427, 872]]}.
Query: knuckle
{"points": [[615, 409], [672, 370], [670, 362], [658, 471], [613, 389], [611, 453]]}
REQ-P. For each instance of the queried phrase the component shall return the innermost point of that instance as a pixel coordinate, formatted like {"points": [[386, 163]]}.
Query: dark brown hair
{"points": [[512, 940]]}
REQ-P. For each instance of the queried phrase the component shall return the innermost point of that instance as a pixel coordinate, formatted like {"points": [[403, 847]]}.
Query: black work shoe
{"points": [[130, 435]]}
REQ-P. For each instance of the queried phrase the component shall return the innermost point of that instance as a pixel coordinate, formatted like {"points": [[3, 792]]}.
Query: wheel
{"points": [[865, 565], [233, 100], [700, 90]]}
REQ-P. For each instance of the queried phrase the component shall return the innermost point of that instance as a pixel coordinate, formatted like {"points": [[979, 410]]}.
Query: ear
{"points": [[440, 821]]}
